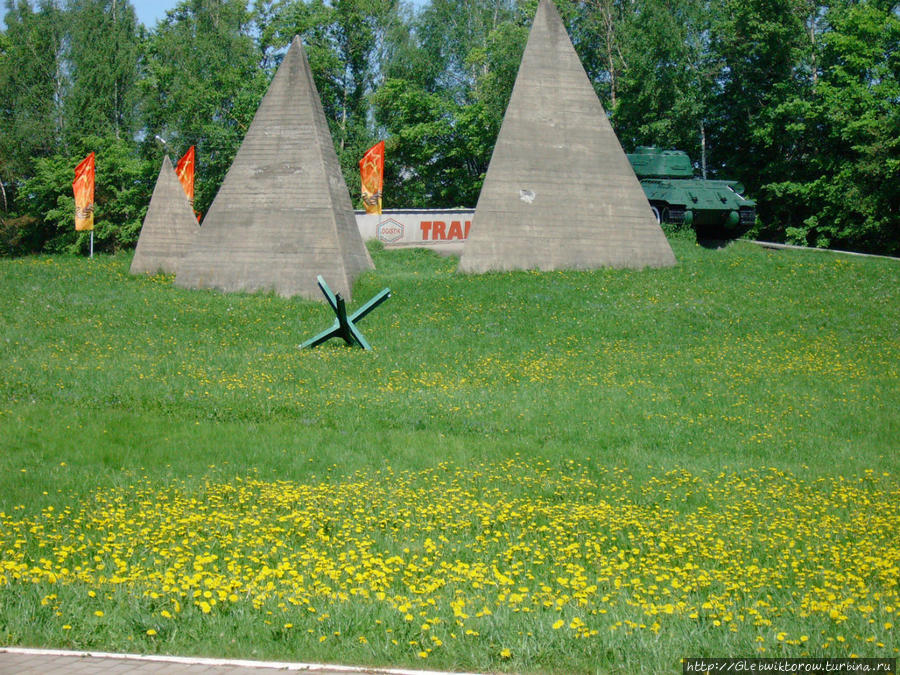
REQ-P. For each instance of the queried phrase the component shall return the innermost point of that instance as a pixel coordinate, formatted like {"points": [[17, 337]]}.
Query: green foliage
{"points": [[496, 65], [448, 32], [31, 85], [121, 196], [844, 185], [671, 77], [753, 51], [437, 148], [102, 100], [202, 85], [444, 103], [795, 99]]}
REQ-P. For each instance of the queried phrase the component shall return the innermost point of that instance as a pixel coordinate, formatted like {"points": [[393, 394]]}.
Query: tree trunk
{"points": [[606, 8], [116, 103], [344, 111], [702, 149]]}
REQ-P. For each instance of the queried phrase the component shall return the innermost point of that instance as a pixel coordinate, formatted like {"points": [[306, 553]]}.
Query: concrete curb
{"points": [[793, 247]]}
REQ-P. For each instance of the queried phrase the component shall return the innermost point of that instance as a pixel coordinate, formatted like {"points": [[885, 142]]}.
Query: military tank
{"points": [[716, 209]]}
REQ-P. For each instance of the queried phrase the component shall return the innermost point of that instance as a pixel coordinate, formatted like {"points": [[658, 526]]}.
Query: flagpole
{"points": [[378, 227], [92, 243]]}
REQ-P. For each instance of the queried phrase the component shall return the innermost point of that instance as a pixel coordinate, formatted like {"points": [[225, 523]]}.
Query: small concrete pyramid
{"points": [[283, 213], [169, 227], [559, 191]]}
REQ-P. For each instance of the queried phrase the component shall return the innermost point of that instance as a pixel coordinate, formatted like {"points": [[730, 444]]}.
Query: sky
{"points": [[148, 11], [151, 11]]}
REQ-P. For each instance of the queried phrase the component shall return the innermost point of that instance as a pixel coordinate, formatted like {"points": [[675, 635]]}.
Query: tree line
{"points": [[798, 99]]}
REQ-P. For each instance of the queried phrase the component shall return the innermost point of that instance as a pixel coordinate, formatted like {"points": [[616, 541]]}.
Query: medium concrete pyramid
{"points": [[169, 228], [559, 192], [283, 213]]}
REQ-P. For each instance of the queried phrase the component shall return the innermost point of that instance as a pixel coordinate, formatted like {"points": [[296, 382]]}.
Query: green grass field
{"points": [[558, 472]]}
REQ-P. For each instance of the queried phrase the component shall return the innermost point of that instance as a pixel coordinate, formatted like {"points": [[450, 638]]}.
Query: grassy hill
{"points": [[569, 471]]}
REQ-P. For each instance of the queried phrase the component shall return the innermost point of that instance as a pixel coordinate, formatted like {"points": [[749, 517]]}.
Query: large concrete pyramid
{"points": [[169, 228], [283, 213], [559, 192]]}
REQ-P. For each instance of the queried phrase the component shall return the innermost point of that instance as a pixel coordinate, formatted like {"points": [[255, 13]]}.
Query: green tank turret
{"points": [[715, 209]]}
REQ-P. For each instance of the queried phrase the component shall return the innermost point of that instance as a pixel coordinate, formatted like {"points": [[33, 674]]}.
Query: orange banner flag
{"points": [[371, 172], [83, 187], [185, 172]]}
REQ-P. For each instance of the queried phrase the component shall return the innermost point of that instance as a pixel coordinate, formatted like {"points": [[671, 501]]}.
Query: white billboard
{"points": [[441, 230]]}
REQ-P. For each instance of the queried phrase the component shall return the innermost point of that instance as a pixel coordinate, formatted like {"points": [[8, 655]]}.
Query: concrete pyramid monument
{"points": [[283, 214], [559, 191], [169, 228]]}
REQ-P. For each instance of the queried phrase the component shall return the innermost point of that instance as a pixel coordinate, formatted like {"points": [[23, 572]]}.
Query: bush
{"points": [[46, 206]]}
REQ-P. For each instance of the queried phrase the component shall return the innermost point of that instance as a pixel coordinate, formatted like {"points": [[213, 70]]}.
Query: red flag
{"points": [[371, 172], [185, 172], [83, 187]]}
